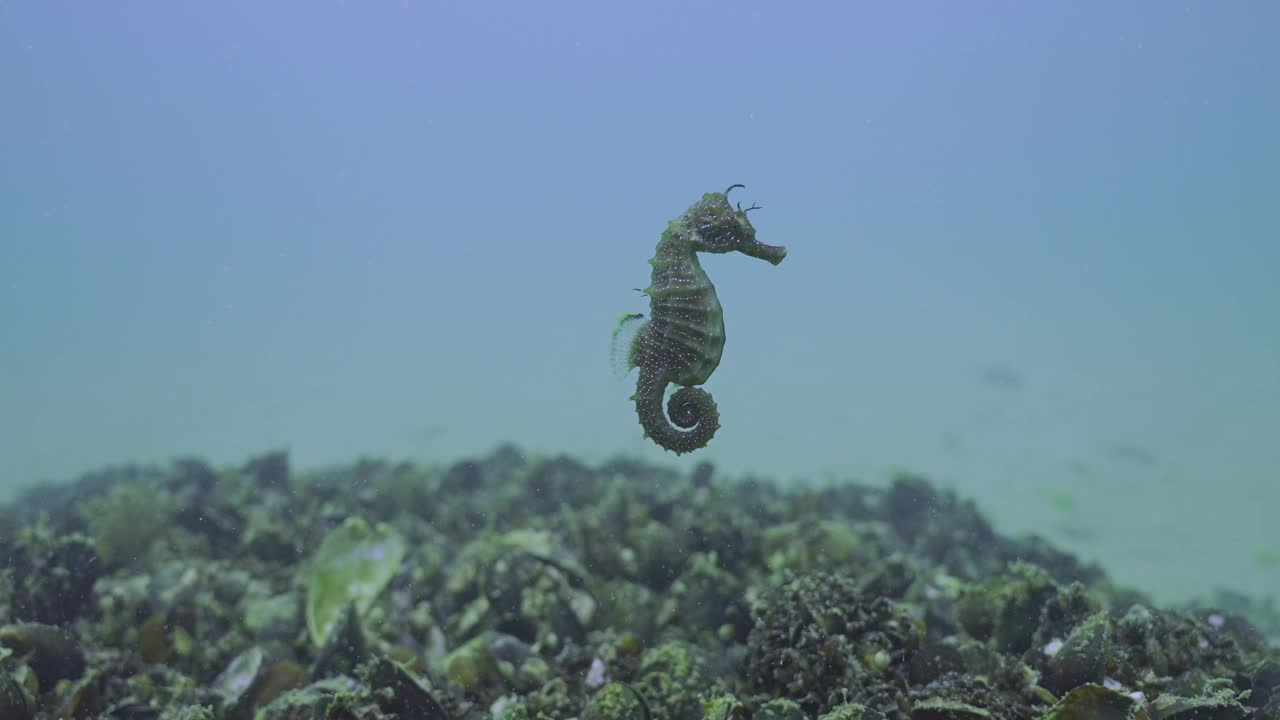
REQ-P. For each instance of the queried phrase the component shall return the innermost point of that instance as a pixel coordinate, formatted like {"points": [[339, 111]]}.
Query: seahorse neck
{"points": [[675, 252]]}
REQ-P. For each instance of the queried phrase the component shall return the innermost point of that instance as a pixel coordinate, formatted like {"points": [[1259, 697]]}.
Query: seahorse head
{"points": [[719, 227]]}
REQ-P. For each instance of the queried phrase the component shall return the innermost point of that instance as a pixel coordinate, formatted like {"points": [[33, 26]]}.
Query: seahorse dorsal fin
{"points": [[624, 335]]}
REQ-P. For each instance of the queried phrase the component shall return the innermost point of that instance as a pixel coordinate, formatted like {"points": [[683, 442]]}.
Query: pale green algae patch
{"points": [[353, 564]]}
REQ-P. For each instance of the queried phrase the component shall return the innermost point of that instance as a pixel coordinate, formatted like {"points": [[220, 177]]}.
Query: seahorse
{"points": [[682, 340]]}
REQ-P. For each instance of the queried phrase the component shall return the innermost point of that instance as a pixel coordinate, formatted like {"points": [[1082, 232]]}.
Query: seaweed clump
{"points": [[127, 519], [822, 642]]}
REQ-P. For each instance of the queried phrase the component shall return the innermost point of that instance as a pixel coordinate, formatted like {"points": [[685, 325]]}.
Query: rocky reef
{"points": [[521, 587]]}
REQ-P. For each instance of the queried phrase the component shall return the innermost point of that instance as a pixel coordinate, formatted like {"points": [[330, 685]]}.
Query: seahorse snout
{"points": [[756, 249]]}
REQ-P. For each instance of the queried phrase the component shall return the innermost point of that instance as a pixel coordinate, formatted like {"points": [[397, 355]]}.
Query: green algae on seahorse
{"points": [[682, 340]]}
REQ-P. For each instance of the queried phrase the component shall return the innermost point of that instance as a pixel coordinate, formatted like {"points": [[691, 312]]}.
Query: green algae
{"points": [[353, 564]]}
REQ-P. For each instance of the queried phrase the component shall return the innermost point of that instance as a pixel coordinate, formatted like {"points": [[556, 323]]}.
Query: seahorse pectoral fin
{"points": [[756, 249]]}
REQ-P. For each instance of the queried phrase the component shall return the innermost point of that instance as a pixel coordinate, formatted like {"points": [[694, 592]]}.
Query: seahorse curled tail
{"points": [[690, 408]]}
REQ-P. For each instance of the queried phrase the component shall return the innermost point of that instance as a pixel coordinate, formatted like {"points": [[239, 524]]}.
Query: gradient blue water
{"points": [[1034, 247]]}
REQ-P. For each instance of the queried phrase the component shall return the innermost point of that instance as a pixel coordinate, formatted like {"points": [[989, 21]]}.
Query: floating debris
{"points": [[1004, 378]]}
